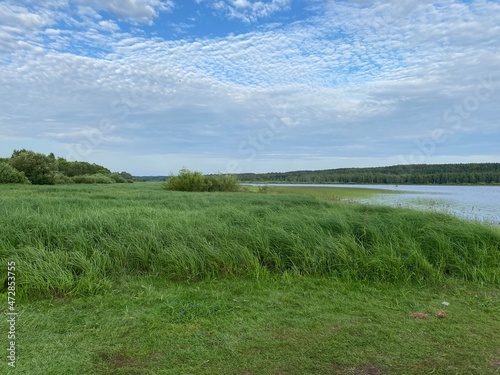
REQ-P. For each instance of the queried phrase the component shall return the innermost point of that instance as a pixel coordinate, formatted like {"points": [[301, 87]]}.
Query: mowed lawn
{"points": [[133, 279]]}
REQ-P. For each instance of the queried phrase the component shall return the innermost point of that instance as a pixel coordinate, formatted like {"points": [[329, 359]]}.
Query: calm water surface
{"points": [[480, 203]]}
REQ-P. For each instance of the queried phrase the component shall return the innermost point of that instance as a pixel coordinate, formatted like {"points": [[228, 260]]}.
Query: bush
{"points": [[10, 175], [62, 179], [116, 177], [127, 176], [186, 181], [97, 178], [223, 182], [194, 181]]}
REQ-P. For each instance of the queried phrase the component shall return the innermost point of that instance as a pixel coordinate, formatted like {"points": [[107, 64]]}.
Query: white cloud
{"points": [[110, 26], [20, 17], [143, 11], [248, 10], [338, 87]]}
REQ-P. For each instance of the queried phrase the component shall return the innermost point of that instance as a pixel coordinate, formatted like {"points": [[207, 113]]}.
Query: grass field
{"points": [[321, 192], [133, 279]]}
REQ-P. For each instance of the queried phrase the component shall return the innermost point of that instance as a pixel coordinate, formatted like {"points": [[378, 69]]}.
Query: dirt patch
{"points": [[119, 360], [330, 329], [418, 316], [368, 370], [495, 364], [125, 361]]}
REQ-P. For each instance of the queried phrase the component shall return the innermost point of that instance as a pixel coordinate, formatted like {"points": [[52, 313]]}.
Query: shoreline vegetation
{"points": [[413, 174], [28, 167], [144, 279], [75, 238]]}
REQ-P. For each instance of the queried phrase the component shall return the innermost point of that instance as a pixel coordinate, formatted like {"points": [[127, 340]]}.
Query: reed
{"points": [[78, 240]]}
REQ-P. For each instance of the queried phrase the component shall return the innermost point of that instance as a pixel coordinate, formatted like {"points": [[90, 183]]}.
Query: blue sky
{"points": [[150, 86]]}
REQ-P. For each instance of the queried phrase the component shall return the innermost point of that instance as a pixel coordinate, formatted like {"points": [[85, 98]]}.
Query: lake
{"points": [[481, 203]]}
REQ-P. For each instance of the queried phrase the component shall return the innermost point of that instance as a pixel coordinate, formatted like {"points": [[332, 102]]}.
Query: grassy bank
{"points": [[75, 240], [320, 192], [133, 279]]}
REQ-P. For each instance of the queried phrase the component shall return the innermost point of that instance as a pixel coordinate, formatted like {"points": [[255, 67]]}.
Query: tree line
{"points": [[29, 167], [414, 174]]}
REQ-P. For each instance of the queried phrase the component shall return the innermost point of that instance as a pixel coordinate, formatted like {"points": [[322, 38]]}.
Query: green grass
{"points": [[133, 279], [76, 240], [321, 192], [281, 325]]}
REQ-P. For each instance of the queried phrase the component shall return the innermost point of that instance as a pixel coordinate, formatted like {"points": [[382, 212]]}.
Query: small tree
{"points": [[127, 176], [186, 181], [39, 169], [116, 177], [224, 182], [10, 175], [195, 181]]}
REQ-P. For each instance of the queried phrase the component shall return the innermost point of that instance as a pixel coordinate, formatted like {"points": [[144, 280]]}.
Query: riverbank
{"points": [[478, 203], [134, 279]]}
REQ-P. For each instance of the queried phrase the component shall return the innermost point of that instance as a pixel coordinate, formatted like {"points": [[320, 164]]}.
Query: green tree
{"points": [[116, 177], [187, 180], [79, 168], [127, 176], [10, 175], [222, 182], [39, 168]]}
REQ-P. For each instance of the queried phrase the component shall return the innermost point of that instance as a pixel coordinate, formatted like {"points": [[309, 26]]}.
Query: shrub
{"points": [[224, 182], [62, 179], [10, 175], [264, 189], [187, 180], [116, 177], [127, 176], [97, 178]]}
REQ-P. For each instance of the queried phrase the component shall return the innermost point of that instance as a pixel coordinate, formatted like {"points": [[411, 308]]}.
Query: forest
{"points": [[29, 167], [473, 173]]}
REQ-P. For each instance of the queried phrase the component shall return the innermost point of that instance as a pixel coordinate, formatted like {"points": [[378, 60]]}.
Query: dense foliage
{"points": [[475, 173], [79, 168], [39, 168], [150, 178], [26, 166], [10, 175], [97, 178], [195, 181]]}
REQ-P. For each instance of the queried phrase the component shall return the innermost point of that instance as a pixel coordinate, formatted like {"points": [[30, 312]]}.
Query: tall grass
{"points": [[76, 240]]}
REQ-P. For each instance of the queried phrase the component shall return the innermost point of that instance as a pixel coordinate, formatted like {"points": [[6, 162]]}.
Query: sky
{"points": [[233, 86]]}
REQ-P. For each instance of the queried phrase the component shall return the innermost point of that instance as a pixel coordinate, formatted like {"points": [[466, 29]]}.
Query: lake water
{"points": [[481, 203]]}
